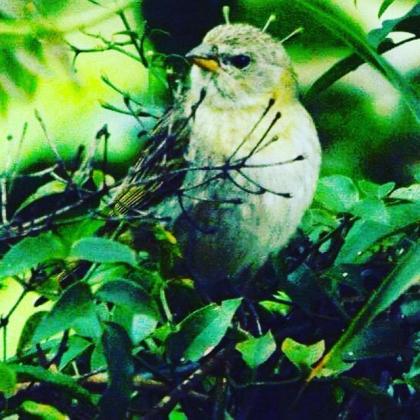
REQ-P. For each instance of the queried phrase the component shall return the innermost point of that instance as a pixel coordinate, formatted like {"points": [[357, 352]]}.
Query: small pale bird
{"points": [[251, 163]]}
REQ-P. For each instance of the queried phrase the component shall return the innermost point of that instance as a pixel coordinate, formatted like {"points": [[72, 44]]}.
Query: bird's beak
{"points": [[204, 58]]}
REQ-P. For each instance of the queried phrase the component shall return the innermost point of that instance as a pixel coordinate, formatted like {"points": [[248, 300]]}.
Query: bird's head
{"points": [[239, 65]]}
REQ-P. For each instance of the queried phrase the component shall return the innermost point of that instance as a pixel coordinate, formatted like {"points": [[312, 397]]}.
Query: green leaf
{"points": [[384, 6], [7, 380], [411, 193], [362, 235], [52, 187], [26, 336], [128, 294], [30, 252], [405, 275], [372, 190], [301, 355], [75, 347], [102, 250], [74, 309], [408, 23], [202, 331], [337, 193], [138, 325], [403, 215], [64, 382], [117, 348], [364, 49], [256, 351], [42, 411], [371, 209]]}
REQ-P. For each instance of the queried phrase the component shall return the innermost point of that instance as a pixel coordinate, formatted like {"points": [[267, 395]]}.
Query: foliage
{"points": [[129, 335]]}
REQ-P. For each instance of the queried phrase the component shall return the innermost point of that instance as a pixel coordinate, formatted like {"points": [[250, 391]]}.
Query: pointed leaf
{"points": [[202, 331], [74, 309]]}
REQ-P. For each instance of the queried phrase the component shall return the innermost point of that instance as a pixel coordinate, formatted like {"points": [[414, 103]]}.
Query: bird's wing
{"points": [[158, 172]]}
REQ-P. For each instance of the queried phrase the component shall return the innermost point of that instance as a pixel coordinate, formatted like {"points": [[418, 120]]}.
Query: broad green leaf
{"points": [[138, 325], [362, 235], [52, 187], [411, 193], [128, 294], [372, 190], [117, 349], [30, 252], [102, 250], [74, 309], [337, 193], [256, 351], [403, 215], [405, 275], [301, 355], [371, 209], [202, 331], [384, 6], [64, 382], [42, 411], [364, 49], [7, 380]]}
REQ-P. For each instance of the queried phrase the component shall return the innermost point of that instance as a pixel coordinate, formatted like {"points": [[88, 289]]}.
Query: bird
{"points": [[233, 165]]}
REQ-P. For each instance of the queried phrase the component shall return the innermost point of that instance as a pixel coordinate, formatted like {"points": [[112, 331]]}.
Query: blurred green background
{"points": [[366, 129]]}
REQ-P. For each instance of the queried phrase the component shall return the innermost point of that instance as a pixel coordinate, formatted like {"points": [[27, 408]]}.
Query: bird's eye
{"points": [[240, 61]]}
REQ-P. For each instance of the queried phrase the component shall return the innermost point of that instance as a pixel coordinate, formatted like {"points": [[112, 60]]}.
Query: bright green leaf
{"points": [[411, 193], [371, 209], [42, 411], [202, 331], [102, 250], [372, 190], [52, 187], [74, 309], [301, 355], [337, 193], [256, 351], [30, 252], [7, 380]]}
